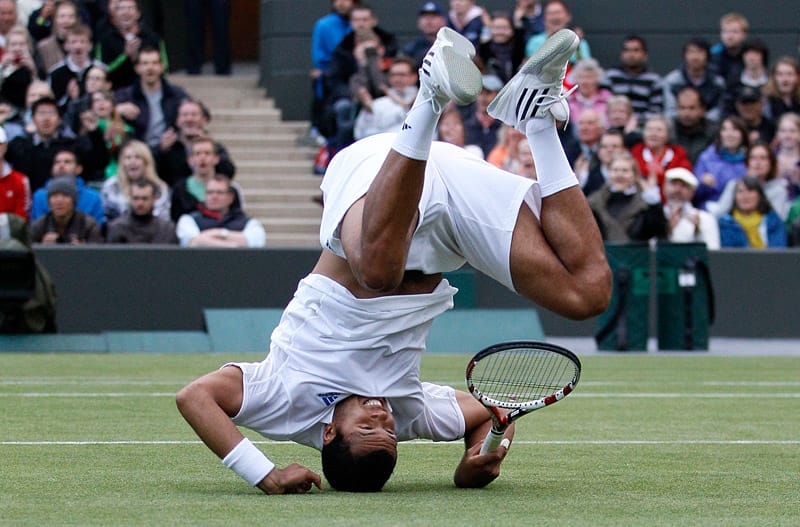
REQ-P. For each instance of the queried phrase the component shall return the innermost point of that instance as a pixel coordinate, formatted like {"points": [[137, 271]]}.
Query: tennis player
{"points": [[342, 373]]}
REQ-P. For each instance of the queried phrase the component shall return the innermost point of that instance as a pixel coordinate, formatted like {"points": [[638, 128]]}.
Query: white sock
{"points": [[416, 134], [552, 168]]}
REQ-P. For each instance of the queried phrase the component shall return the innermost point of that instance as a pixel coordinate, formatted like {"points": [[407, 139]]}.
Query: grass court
{"points": [[646, 439]]}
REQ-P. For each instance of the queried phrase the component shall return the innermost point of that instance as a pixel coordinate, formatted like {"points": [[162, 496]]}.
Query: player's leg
{"points": [[377, 230], [557, 260]]}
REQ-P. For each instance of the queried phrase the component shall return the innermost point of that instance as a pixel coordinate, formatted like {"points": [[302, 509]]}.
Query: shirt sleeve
{"points": [[186, 230], [254, 233]]}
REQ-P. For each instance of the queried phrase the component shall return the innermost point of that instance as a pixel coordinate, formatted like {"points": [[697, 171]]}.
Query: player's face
{"points": [[366, 424]]}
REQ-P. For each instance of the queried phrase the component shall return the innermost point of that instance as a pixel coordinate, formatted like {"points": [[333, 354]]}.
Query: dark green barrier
{"points": [[685, 296], [624, 325]]}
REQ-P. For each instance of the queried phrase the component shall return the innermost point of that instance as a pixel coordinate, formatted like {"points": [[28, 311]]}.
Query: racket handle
{"points": [[492, 441]]}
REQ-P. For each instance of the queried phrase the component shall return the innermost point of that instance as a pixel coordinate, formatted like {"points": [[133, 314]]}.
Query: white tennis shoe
{"points": [[447, 71], [537, 90]]}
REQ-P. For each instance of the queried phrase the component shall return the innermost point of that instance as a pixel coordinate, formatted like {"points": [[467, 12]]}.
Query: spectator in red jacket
{"points": [[15, 189], [656, 155]]}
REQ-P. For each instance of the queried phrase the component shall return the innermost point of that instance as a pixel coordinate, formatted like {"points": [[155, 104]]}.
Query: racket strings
{"points": [[520, 376]]}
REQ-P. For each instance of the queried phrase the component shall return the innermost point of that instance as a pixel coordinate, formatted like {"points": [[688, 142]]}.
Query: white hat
{"points": [[681, 174]]}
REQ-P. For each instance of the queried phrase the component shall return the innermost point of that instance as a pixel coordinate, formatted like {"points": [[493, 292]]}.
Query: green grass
{"points": [[645, 440]]}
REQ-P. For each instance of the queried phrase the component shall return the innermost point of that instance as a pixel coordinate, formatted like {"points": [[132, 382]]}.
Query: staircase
{"points": [[272, 167]]}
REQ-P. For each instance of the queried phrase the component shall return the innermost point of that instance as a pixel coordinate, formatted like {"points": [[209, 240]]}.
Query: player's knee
{"points": [[184, 397]]}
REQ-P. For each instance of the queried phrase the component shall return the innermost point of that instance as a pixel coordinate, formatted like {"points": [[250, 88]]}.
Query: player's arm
{"points": [[476, 470], [207, 404]]}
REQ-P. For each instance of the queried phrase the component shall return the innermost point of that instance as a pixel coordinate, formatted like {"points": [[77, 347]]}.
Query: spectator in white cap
{"points": [[684, 222]]}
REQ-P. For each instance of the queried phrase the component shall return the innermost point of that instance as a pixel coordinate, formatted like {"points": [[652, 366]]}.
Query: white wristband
{"points": [[559, 183], [249, 462]]}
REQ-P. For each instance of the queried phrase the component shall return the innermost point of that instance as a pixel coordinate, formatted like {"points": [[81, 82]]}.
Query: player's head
{"points": [[359, 446]]}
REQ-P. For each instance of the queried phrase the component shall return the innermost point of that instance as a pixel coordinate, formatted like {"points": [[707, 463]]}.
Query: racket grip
{"points": [[492, 441]]}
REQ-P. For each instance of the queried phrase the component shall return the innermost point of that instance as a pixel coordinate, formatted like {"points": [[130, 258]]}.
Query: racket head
{"points": [[522, 375]]}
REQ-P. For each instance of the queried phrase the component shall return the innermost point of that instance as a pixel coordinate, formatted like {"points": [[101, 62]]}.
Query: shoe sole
{"points": [[461, 44], [463, 81]]}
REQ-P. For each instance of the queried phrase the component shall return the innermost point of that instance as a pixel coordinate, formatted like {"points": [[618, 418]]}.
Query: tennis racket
{"points": [[522, 377]]}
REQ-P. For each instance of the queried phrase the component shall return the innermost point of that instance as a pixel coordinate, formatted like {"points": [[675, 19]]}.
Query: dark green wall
{"points": [[286, 33], [124, 288]]}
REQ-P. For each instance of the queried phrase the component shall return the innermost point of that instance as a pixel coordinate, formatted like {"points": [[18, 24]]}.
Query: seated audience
{"points": [[68, 77], [592, 178], [524, 164], [755, 57], [15, 189], [588, 74], [529, 17], [695, 72], [386, 113], [685, 223], [217, 223], [761, 164], [692, 130], [451, 130], [189, 192], [504, 154], [655, 154], [115, 130], [17, 121], [726, 55], [787, 148], [175, 147], [88, 200], [33, 153], [96, 80], [556, 16], [468, 19], [17, 69], [430, 19], [722, 161], [503, 53], [50, 50], [619, 116], [749, 106], [751, 222], [138, 224], [582, 153], [634, 79], [480, 128], [135, 163], [783, 88], [628, 208], [63, 223]]}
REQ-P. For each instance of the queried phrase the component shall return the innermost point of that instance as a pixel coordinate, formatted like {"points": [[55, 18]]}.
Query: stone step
{"points": [[280, 239], [274, 140], [294, 225], [243, 153], [213, 80], [256, 196], [277, 183], [306, 210]]}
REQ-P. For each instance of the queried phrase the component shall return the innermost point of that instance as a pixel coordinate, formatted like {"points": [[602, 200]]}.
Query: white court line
{"points": [[585, 395], [599, 442]]}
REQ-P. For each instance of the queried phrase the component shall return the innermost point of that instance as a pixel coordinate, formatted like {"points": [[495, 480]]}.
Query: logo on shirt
{"points": [[406, 126], [329, 398]]}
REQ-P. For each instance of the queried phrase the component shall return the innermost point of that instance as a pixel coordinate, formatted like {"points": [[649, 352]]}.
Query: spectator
{"points": [[64, 223], [692, 130], [8, 19], [119, 45], [592, 176], [139, 224], [115, 130], [480, 128], [504, 52], [386, 114], [726, 56], [190, 191], [788, 151], [695, 72], [722, 161], [430, 19], [504, 154], [634, 80], [468, 19], [17, 69], [528, 17], [50, 50], [557, 15], [136, 163], [87, 200], [755, 57], [451, 130], [620, 117], [328, 33], [95, 80], [18, 121], [33, 153], [348, 58], [40, 21], [217, 223], [151, 103], [655, 154], [68, 77], [762, 165], [783, 88], [582, 154], [750, 108], [175, 147], [685, 223], [751, 222], [15, 190], [219, 13], [587, 74], [628, 208]]}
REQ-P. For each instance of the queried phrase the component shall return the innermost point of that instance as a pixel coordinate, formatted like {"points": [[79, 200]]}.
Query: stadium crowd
{"points": [[707, 152], [98, 146]]}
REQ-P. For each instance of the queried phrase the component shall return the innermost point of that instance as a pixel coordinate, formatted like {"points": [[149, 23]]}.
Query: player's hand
{"points": [[476, 470], [294, 479]]}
